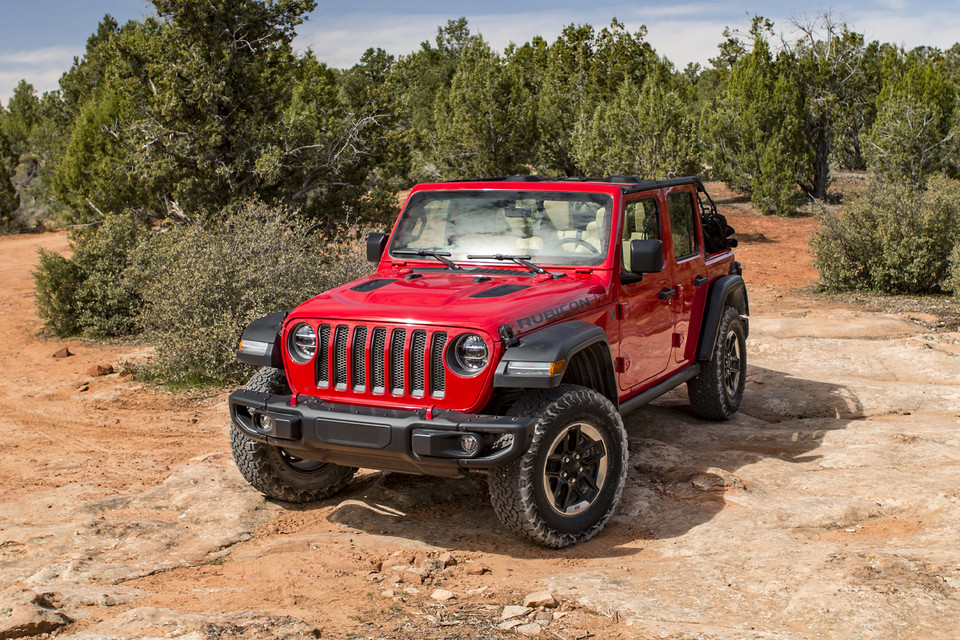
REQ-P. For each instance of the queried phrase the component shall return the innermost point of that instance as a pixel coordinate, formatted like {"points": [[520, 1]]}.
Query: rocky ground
{"points": [[827, 509]]}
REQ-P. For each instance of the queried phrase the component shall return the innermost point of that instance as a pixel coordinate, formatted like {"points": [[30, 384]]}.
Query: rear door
{"points": [[689, 271]]}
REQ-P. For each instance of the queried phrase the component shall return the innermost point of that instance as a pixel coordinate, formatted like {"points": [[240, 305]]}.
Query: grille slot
{"points": [[418, 350], [340, 357], [437, 371], [359, 358], [323, 358], [397, 362], [378, 347]]}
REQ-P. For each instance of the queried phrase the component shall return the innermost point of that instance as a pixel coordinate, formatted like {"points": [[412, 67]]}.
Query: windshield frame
{"points": [[549, 241]]}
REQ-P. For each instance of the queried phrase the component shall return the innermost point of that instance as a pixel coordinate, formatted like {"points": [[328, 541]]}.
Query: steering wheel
{"points": [[580, 242]]}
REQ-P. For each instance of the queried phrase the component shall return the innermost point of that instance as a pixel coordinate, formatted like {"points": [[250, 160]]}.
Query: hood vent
{"points": [[500, 290], [371, 285]]}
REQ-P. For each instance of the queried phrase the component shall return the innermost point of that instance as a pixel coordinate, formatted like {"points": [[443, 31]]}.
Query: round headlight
{"points": [[471, 353], [303, 342]]}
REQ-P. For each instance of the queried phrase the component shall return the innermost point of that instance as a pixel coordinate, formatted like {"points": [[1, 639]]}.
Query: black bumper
{"points": [[376, 438]]}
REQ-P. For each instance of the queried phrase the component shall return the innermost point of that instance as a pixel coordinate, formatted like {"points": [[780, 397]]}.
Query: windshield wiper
{"points": [[439, 255], [518, 259]]}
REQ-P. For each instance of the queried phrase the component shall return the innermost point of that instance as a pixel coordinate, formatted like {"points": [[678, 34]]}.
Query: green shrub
{"points": [[89, 293], [954, 279], [891, 238], [202, 285], [56, 280]]}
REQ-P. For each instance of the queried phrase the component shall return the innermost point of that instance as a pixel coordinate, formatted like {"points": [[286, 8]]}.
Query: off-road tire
{"points": [[716, 393], [270, 470], [519, 491]]}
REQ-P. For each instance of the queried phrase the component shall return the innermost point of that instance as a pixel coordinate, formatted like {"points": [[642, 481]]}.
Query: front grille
{"points": [[398, 361]]}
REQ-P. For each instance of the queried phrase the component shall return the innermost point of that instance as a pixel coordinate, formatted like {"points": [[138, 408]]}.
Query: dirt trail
{"points": [[827, 508]]}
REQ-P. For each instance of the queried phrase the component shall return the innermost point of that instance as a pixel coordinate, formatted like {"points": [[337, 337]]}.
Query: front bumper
{"points": [[376, 438]]}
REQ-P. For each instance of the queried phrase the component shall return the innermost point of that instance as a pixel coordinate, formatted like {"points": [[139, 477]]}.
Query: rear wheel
{"points": [[716, 393], [566, 486], [274, 471]]}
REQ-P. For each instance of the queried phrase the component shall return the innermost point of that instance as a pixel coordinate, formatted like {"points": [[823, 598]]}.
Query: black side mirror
{"points": [[646, 256], [376, 245]]}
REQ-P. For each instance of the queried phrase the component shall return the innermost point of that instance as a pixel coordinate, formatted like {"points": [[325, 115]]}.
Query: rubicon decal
{"points": [[557, 312]]}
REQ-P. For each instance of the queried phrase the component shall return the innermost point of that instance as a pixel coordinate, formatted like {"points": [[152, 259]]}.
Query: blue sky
{"points": [[39, 38]]}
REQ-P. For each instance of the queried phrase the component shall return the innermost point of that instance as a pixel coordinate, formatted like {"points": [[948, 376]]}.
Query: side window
{"points": [[641, 221], [683, 224]]}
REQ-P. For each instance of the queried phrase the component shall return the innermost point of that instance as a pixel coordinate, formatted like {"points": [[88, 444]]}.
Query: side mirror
{"points": [[376, 245], [646, 256]]}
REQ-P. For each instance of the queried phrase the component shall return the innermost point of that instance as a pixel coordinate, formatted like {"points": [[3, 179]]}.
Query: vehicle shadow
{"points": [[681, 472]]}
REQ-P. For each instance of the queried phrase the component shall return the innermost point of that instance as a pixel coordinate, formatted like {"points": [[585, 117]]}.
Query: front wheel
{"points": [[274, 471], [716, 393], [566, 486]]}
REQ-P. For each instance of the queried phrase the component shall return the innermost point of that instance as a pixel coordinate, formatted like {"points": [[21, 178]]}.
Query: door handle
{"points": [[699, 280], [666, 294]]}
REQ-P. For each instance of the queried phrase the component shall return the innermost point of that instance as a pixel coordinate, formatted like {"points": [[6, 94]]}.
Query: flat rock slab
{"points": [[58, 538], [148, 622]]}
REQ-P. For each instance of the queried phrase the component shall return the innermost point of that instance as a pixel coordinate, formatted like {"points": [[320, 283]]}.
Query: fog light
{"points": [[265, 422], [469, 443]]}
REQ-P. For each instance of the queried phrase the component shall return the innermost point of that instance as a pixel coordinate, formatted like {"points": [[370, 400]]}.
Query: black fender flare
{"points": [[728, 290], [561, 341], [260, 342]]}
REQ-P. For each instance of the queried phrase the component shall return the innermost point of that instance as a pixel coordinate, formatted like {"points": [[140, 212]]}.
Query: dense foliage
{"points": [[894, 237], [180, 120], [201, 285]]}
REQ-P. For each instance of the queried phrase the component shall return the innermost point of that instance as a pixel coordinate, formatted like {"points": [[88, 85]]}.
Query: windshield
{"points": [[550, 227]]}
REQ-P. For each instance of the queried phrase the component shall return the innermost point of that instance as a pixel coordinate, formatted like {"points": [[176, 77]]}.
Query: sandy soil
{"points": [[826, 509]]}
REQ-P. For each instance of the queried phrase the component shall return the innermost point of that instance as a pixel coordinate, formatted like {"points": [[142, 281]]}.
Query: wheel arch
{"points": [[726, 291], [581, 345], [260, 342]]}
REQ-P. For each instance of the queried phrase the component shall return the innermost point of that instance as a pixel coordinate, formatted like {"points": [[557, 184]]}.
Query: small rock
{"points": [[475, 569], [388, 593], [433, 565], [442, 595], [100, 370], [62, 353], [510, 624], [513, 611], [413, 575], [543, 618], [447, 559], [530, 629], [540, 599]]}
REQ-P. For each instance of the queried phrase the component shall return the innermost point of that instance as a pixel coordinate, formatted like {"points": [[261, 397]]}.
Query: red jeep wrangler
{"points": [[509, 325]]}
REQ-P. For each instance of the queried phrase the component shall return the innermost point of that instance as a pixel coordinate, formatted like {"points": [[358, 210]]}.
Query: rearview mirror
{"points": [[376, 244], [646, 256]]}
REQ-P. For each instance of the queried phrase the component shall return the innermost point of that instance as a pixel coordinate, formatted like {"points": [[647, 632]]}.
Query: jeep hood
{"points": [[468, 300]]}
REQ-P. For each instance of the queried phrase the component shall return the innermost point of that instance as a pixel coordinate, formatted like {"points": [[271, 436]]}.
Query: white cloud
{"points": [[940, 29], [40, 67], [38, 56], [341, 42]]}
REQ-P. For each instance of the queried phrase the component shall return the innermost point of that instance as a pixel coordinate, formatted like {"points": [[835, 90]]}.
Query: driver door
{"points": [[646, 321]]}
